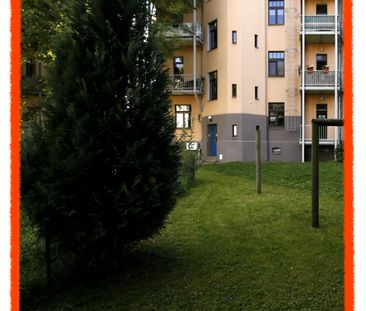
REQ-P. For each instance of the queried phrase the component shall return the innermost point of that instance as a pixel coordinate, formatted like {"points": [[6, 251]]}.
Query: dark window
{"points": [[234, 37], [321, 61], [276, 114], [256, 90], [321, 9], [255, 41], [276, 12], [30, 68], [235, 130], [212, 35], [183, 116], [178, 65], [276, 64], [233, 90], [212, 78]]}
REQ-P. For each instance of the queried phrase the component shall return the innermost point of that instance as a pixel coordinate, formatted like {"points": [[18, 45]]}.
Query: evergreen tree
{"points": [[103, 171]]}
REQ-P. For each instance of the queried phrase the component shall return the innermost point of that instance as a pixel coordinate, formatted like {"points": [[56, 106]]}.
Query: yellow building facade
{"points": [[276, 64]]}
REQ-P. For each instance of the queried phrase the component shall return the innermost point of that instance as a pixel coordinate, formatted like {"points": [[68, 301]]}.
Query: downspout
{"points": [[336, 108], [303, 84], [266, 79]]}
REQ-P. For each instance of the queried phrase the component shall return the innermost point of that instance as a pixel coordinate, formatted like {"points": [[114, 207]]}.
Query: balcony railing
{"points": [[319, 23], [186, 31], [326, 134], [319, 78], [184, 84]]}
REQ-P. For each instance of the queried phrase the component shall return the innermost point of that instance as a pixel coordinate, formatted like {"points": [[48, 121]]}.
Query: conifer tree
{"points": [[103, 171]]}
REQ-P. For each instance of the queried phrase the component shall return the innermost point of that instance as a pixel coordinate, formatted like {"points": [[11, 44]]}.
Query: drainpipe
{"points": [[303, 84], [336, 74], [194, 49]]}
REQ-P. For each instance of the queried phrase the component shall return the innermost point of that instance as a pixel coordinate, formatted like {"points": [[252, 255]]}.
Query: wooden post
{"points": [[315, 165], [315, 174], [258, 159]]}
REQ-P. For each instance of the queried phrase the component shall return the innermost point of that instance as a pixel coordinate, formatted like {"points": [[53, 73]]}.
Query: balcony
{"points": [[318, 80], [320, 28], [183, 84], [185, 32], [326, 135]]}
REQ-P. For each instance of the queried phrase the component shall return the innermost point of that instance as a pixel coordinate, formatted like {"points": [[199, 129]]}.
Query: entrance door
{"points": [[212, 140], [322, 113]]}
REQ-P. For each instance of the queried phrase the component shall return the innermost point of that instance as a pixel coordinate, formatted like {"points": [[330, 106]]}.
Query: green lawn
{"points": [[227, 248]]}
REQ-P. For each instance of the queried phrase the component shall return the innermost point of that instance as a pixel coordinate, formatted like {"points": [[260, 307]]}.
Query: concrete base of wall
{"points": [[278, 144]]}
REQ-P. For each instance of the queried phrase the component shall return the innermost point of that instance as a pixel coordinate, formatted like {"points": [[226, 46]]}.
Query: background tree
{"points": [[103, 171]]}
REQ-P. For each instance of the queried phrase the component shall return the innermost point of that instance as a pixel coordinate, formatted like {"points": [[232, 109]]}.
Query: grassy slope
{"points": [[227, 248]]}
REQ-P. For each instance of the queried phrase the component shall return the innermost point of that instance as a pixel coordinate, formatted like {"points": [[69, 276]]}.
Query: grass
{"points": [[227, 248]]}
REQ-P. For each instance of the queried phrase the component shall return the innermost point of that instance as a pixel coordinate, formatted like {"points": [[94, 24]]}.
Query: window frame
{"points": [[276, 60], [275, 113], [186, 114], [212, 85], [212, 35], [274, 7]]}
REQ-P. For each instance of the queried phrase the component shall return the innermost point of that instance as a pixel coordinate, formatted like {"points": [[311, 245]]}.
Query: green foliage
{"points": [[187, 170], [103, 172], [339, 152]]}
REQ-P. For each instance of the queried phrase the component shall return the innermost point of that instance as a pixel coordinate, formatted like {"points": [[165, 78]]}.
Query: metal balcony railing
{"points": [[320, 78], [326, 134], [319, 23], [184, 84], [186, 30]]}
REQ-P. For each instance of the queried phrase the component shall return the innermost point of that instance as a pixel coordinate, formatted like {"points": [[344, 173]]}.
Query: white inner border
{"points": [[359, 171], [5, 155]]}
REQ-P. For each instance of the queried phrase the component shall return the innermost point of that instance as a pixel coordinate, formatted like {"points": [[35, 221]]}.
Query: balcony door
{"points": [[178, 70], [321, 9], [321, 61], [322, 113]]}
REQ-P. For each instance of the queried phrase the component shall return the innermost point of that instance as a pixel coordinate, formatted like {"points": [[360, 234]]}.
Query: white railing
{"points": [[319, 23], [184, 84], [186, 30], [326, 133], [319, 78]]}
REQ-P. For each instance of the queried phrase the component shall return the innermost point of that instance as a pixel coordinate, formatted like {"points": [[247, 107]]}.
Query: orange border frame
{"points": [[15, 155], [348, 161], [15, 26]]}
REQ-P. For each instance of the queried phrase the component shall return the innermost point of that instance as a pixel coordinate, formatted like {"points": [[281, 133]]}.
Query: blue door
{"points": [[212, 140]]}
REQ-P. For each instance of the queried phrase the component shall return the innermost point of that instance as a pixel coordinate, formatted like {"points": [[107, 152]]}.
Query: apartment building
{"points": [[276, 64]]}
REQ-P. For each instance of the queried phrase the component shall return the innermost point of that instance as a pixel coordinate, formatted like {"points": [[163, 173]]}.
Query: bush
{"points": [[339, 152], [187, 170]]}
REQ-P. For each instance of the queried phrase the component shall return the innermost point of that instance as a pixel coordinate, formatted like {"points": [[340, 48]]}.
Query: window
{"points": [[256, 90], [321, 9], [212, 88], [234, 37], [233, 90], [183, 116], [276, 64], [235, 130], [178, 65], [276, 114], [276, 150], [276, 12], [256, 41], [321, 61], [212, 35]]}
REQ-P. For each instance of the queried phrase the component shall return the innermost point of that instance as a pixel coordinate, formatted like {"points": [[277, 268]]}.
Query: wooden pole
{"points": [[258, 160], [315, 174]]}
